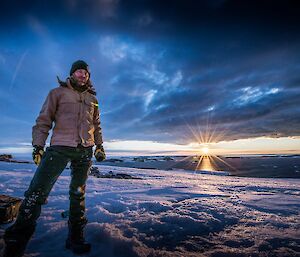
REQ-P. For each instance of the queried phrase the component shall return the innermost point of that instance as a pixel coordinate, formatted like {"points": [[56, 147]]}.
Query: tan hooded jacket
{"points": [[76, 117]]}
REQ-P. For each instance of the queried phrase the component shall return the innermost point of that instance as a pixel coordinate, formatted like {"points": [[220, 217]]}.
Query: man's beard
{"points": [[77, 85]]}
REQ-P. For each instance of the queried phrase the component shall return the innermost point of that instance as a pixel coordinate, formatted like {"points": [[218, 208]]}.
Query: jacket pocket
{"points": [[67, 108]]}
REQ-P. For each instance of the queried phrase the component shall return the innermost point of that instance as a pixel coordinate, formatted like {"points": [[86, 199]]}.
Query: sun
{"points": [[205, 150]]}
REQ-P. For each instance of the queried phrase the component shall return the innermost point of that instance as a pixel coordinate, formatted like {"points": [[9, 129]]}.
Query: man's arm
{"points": [[97, 125], [40, 130]]}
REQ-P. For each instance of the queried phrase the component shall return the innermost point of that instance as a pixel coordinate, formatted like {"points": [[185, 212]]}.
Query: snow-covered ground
{"points": [[169, 213]]}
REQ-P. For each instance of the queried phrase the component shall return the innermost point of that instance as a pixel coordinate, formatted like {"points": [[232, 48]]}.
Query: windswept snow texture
{"points": [[170, 213]]}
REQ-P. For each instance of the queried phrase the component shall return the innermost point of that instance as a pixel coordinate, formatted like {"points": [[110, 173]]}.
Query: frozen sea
{"points": [[272, 166]]}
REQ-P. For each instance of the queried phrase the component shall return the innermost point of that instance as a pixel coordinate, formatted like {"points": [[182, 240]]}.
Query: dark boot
{"points": [[75, 241], [16, 239]]}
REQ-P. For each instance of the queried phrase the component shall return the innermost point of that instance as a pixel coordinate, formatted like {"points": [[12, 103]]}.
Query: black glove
{"points": [[37, 154], [99, 153]]}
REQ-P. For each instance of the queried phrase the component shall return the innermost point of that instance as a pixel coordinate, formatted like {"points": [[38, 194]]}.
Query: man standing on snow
{"points": [[73, 107]]}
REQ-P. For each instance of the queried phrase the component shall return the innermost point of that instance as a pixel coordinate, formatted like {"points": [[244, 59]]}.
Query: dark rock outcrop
{"points": [[9, 158], [96, 173]]}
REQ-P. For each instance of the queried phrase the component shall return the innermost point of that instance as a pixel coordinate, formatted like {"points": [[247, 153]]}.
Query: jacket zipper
{"points": [[80, 118]]}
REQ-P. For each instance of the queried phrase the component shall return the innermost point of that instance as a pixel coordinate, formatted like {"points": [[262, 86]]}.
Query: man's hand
{"points": [[99, 153], [37, 154]]}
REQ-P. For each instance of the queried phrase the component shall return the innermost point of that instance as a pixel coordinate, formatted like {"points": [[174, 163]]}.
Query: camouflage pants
{"points": [[52, 164]]}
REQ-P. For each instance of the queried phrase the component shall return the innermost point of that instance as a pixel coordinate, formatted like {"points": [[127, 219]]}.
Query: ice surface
{"points": [[169, 213]]}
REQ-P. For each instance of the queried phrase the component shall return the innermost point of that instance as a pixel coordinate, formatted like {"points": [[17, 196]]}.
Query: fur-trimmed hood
{"points": [[90, 87]]}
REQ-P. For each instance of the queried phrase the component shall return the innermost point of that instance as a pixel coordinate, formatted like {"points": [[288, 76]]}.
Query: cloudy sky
{"points": [[171, 76]]}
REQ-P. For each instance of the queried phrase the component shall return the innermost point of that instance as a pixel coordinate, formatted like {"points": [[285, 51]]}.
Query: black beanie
{"points": [[79, 65]]}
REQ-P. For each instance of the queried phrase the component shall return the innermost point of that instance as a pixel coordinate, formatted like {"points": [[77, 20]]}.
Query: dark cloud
{"points": [[164, 68], [176, 14]]}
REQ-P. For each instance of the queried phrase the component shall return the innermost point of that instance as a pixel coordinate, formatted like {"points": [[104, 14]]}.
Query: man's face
{"points": [[81, 76]]}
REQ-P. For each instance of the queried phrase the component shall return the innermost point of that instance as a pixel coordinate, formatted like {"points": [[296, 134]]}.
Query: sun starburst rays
{"points": [[205, 136]]}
